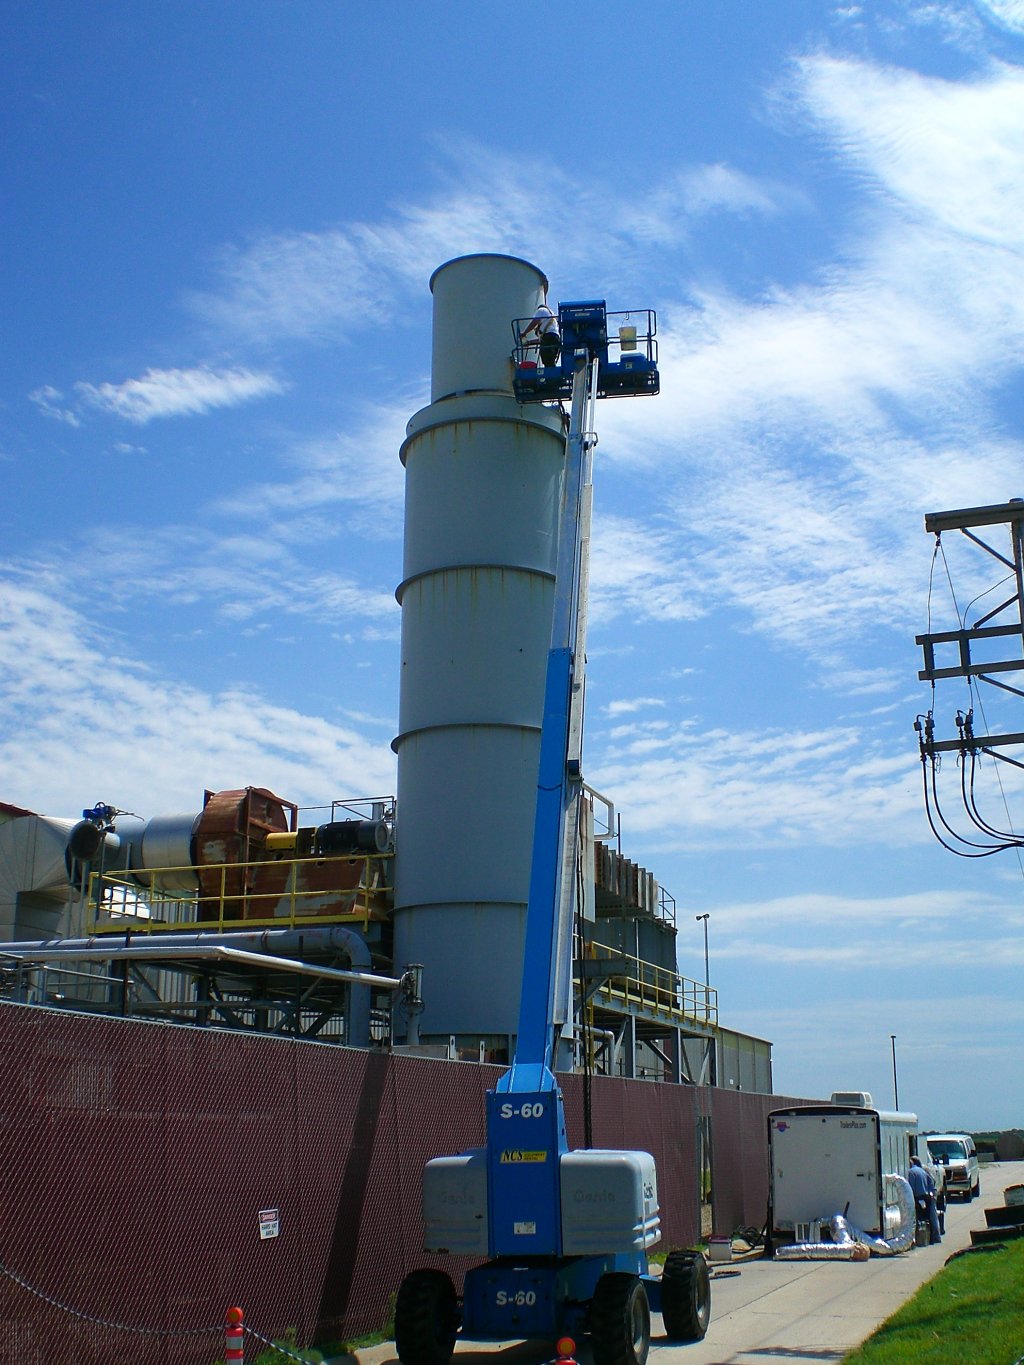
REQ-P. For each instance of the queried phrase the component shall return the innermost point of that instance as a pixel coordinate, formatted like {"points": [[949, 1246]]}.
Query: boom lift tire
{"points": [[620, 1321], [426, 1318], [685, 1296]]}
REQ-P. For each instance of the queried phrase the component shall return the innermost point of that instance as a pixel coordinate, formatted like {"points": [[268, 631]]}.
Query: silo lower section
{"points": [[483, 480]]}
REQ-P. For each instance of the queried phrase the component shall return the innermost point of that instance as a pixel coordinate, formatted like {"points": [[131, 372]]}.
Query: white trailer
{"points": [[832, 1158]]}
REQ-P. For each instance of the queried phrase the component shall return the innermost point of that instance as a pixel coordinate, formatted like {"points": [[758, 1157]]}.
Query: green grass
{"points": [[971, 1313]]}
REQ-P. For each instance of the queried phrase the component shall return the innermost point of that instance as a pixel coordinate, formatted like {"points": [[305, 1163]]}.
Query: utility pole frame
{"points": [[1010, 514]]}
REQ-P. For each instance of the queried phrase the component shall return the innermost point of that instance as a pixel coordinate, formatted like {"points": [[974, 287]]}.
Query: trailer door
{"points": [[823, 1164]]}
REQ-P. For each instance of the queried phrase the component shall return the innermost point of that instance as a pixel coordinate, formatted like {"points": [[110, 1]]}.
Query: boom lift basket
{"points": [[624, 343]]}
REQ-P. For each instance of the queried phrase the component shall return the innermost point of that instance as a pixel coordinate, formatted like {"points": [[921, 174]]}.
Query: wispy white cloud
{"points": [[177, 393], [50, 401], [692, 194], [799, 438], [935, 906], [956, 23], [783, 788], [357, 469], [268, 553], [821, 951], [1008, 13], [238, 577], [334, 284], [947, 152], [78, 724], [641, 570], [625, 706]]}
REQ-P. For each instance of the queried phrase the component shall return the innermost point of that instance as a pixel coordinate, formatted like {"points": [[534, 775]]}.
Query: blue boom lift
{"points": [[565, 1233]]}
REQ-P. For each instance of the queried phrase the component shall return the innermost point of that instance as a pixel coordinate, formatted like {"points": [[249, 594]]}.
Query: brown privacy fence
{"points": [[153, 1175]]}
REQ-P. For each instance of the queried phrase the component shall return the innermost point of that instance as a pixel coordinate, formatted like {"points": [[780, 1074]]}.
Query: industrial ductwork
{"points": [[848, 1243], [34, 890]]}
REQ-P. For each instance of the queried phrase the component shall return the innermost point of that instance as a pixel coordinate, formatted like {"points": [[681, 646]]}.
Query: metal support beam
{"points": [[992, 515]]}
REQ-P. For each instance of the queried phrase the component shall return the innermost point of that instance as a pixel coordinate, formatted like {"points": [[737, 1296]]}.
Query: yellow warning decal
{"points": [[511, 1158]]}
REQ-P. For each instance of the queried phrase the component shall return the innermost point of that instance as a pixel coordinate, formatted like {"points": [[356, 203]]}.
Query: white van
{"points": [[955, 1151]]}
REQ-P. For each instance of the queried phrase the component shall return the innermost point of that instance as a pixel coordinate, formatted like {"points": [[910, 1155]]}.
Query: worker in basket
{"points": [[544, 325]]}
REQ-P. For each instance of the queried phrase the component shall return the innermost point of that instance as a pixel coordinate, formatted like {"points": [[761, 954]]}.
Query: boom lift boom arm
{"points": [[546, 999]]}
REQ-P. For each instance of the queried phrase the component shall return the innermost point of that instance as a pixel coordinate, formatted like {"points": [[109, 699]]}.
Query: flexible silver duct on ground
{"points": [[846, 1238], [842, 1247]]}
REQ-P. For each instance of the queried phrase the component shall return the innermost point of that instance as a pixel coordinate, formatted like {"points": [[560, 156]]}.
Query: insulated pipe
{"points": [[333, 938], [482, 490], [161, 952], [144, 846]]}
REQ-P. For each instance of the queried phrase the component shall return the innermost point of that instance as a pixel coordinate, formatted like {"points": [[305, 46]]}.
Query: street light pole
{"points": [[707, 973], [895, 1086], [709, 1071]]}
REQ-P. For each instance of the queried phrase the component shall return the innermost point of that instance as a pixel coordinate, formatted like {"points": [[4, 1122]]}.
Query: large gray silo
{"points": [[481, 504]]}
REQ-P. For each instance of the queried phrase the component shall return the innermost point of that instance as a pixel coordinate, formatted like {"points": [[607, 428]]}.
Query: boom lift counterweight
{"points": [[566, 1232]]}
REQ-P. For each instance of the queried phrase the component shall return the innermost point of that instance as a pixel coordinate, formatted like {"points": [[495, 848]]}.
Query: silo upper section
{"points": [[475, 300]]}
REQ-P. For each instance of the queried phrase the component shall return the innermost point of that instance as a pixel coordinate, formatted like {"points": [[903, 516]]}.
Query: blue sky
{"points": [[219, 223]]}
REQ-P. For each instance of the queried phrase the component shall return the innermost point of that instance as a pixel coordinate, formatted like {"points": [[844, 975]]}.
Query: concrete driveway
{"points": [[783, 1311]]}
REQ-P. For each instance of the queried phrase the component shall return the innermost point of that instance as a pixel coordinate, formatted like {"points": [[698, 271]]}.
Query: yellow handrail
{"points": [[658, 990], [135, 895]]}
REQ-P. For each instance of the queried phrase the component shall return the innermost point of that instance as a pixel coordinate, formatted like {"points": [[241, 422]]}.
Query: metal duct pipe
{"points": [[169, 841], [97, 847], [160, 952], [87, 839], [143, 846], [847, 1237], [898, 1188], [331, 938], [34, 895], [844, 1246]]}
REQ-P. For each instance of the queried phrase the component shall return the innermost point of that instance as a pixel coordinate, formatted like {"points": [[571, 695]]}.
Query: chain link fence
{"points": [[151, 1175]]}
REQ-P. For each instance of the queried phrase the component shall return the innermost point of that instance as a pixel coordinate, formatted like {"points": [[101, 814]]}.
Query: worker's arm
{"points": [[534, 325]]}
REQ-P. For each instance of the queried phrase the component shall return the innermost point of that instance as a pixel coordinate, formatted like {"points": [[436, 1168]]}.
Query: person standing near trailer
{"points": [[923, 1187]]}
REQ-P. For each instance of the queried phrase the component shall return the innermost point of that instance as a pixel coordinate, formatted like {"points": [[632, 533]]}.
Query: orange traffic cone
{"points": [[234, 1337]]}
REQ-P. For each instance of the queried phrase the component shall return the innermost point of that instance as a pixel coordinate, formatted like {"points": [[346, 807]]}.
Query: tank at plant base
{"points": [[482, 488]]}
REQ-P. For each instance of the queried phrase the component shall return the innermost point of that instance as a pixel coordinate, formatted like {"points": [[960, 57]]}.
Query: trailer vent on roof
{"points": [[860, 1099]]}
